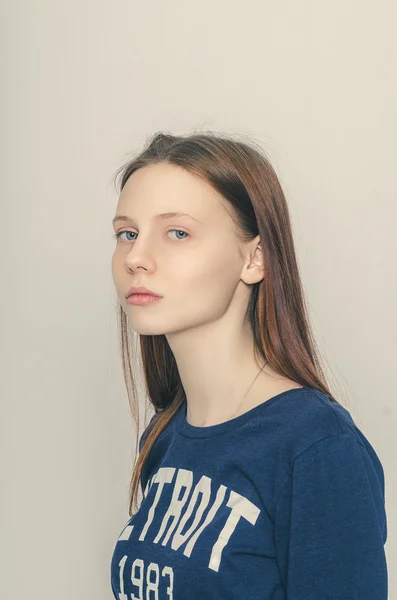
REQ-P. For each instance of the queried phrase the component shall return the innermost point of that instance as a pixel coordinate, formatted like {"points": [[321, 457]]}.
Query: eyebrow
{"points": [[163, 216]]}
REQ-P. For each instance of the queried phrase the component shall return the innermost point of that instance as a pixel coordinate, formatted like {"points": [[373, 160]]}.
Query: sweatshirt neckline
{"points": [[192, 431]]}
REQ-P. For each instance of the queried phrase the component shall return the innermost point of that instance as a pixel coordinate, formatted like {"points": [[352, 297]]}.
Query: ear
{"points": [[254, 269]]}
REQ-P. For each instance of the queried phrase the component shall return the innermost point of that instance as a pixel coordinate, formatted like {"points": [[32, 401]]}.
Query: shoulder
{"points": [[308, 416], [320, 434]]}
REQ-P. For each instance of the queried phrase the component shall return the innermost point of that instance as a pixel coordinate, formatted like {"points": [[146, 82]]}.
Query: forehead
{"points": [[165, 188]]}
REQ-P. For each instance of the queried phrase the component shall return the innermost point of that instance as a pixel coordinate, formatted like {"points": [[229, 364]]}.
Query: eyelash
{"points": [[118, 234]]}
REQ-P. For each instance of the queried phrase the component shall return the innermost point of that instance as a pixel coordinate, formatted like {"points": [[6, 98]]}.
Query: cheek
{"points": [[209, 280], [218, 267]]}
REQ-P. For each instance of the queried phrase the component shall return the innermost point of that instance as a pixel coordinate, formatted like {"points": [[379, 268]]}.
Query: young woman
{"points": [[256, 482]]}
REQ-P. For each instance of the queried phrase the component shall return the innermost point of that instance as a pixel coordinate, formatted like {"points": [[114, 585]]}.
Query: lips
{"points": [[141, 290]]}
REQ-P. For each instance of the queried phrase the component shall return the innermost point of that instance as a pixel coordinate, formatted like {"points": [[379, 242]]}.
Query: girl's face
{"points": [[194, 262]]}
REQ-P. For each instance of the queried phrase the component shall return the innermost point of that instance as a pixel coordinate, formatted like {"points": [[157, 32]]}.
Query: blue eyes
{"points": [[117, 235]]}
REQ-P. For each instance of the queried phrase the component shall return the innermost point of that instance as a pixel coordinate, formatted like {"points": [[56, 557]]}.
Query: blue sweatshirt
{"points": [[284, 502]]}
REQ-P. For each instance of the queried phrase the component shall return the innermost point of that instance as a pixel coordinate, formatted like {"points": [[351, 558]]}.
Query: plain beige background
{"points": [[83, 85]]}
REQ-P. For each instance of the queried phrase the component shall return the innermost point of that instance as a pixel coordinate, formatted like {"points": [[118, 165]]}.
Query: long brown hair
{"points": [[242, 174]]}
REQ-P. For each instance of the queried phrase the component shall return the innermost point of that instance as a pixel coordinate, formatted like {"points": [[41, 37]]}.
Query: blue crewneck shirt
{"points": [[284, 502]]}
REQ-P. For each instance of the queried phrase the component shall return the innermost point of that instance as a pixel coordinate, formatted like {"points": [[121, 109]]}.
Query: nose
{"points": [[139, 256]]}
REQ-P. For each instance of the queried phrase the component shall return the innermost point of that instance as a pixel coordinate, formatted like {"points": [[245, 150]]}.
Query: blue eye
{"points": [[179, 231], [117, 235]]}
